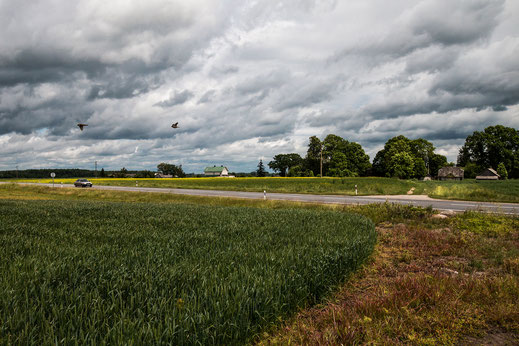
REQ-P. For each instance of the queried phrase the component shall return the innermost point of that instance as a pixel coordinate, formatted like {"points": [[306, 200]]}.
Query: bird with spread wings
{"points": [[81, 126], [175, 125]]}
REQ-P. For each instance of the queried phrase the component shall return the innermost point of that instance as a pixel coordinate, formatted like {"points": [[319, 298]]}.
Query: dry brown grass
{"points": [[423, 285]]}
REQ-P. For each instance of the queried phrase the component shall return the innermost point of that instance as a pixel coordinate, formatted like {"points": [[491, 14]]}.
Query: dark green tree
{"points": [[490, 147], [170, 169], [419, 155], [471, 170], [382, 160], [358, 160], [501, 170], [121, 174], [419, 169], [338, 166], [313, 156], [339, 157], [401, 165], [299, 171], [261, 172], [145, 174], [436, 161], [283, 162], [102, 174]]}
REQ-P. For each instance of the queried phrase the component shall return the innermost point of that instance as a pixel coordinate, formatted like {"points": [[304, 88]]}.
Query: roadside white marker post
{"points": [[61, 184], [136, 184], [355, 190], [264, 194], [52, 175]]}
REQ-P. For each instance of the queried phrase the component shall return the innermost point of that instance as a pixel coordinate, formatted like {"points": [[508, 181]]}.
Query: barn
{"points": [[488, 174], [450, 173], [216, 171]]}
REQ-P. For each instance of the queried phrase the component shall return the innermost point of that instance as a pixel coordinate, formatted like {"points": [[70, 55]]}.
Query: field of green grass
{"points": [[490, 191], [92, 271]]}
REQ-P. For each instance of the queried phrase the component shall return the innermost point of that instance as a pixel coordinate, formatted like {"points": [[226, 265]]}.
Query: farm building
{"points": [[488, 174], [450, 173], [214, 171]]}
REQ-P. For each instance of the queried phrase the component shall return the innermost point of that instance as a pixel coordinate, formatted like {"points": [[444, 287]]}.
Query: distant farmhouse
{"points": [[488, 174], [450, 173], [214, 171]]}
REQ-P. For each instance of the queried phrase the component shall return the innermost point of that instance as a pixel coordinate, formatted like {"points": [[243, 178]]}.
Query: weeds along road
{"points": [[416, 200]]}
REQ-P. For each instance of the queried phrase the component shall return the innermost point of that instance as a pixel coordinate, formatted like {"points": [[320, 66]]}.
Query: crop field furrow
{"points": [[106, 272]]}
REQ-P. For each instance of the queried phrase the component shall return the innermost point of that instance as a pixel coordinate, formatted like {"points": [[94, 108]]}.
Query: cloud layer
{"points": [[247, 80]]}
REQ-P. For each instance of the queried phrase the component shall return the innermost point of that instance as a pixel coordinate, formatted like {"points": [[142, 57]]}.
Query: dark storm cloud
{"points": [[56, 115], [494, 86], [480, 80], [31, 66], [307, 94], [431, 23]]}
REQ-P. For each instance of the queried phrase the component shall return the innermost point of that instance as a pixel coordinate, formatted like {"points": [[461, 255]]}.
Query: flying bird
{"points": [[175, 125], [81, 126]]}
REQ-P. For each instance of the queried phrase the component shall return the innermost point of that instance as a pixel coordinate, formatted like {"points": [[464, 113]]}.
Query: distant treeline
{"points": [[45, 173], [72, 173], [85, 173]]}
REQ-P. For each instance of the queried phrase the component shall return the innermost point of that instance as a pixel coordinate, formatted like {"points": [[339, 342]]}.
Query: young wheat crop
{"points": [[144, 273]]}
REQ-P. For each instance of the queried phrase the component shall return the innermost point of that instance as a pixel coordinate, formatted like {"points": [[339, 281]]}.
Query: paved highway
{"points": [[418, 200]]}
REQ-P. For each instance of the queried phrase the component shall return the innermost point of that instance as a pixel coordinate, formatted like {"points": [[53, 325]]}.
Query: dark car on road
{"points": [[82, 183]]}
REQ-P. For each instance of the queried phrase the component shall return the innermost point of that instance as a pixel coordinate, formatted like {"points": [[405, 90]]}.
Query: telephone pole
{"points": [[321, 160]]}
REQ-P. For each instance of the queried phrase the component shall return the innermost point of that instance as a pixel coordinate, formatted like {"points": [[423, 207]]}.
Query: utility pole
{"points": [[321, 160]]}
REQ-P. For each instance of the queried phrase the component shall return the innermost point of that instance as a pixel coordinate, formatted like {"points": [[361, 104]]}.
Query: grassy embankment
{"points": [[429, 281], [92, 271], [489, 191]]}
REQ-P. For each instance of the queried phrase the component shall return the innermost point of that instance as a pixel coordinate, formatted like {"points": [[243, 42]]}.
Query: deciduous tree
{"points": [[170, 169], [390, 160], [283, 162], [501, 170]]}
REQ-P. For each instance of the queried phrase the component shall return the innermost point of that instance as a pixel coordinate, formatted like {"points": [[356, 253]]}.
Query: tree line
{"points": [[496, 147]]}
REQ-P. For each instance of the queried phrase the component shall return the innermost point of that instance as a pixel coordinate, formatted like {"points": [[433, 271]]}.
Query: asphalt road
{"points": [[416, 200]]}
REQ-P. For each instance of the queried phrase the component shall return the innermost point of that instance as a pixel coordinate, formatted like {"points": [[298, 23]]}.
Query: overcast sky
{"points": [[247, 79]]}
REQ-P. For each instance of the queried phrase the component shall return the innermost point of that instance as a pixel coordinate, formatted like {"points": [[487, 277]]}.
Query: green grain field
{"points": [[92, 272]]}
